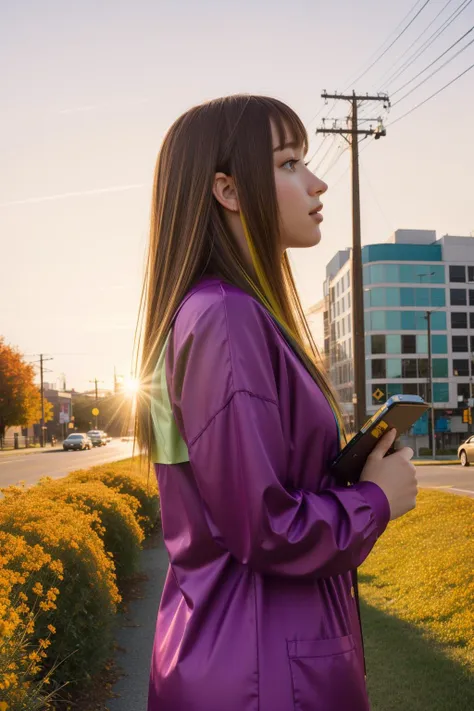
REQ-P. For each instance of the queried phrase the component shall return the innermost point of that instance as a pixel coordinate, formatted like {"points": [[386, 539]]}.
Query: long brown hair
{"points": [[189, 238]]}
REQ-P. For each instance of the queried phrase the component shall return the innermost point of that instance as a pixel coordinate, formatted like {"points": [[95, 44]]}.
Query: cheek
{"points": [[290, 198]]}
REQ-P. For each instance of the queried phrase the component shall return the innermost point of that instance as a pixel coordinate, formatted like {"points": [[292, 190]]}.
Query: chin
{"points": [[311, 240]]}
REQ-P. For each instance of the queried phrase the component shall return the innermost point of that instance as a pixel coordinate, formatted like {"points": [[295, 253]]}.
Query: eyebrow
{"points": [[291, 144]]}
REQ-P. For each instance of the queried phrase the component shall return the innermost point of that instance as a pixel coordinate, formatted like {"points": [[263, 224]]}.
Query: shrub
{"points": [[28, 579], [88, 595], [126, 480], [116, 525]]}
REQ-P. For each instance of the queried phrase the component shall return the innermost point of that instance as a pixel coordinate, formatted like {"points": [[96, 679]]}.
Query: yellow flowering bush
{"points": [[422, 571], [28, 579], [88, 594], [124, 476], [116, 524]]}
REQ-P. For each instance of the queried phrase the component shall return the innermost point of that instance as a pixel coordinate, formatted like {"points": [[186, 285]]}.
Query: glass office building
{"points": [[410, 274]]}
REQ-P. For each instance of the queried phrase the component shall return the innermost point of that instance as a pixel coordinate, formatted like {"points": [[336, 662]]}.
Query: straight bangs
{"points": [[289, 126]]}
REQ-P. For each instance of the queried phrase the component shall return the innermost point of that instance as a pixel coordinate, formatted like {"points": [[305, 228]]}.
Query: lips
{"points": [[316, 209]]}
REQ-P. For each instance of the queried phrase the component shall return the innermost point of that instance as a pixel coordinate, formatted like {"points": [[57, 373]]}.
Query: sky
{"points": [[88, 90]]}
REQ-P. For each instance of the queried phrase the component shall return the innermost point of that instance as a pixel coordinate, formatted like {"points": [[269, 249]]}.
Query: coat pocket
{"points": [[327, 675]]}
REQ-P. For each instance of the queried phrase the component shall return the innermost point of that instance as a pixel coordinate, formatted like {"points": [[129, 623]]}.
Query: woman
{"points": [[258, 611]]}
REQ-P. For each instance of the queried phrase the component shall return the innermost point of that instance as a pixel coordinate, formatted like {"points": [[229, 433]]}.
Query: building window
{"points": [[438, 297], [422, 343], [408, 344], [423, 368], [409, 368], [463, 391], [470, 273], [378, 368], [472, 344], [440, 392], [458, 319], [457, 274], [439, 343], [422, 297], [460, 367], [438, 321], [471, 320], [393, 343], [410, 388], [440, 367], [378, 344], [459, 344], [471, 297], [394, 368], [458, 297]]}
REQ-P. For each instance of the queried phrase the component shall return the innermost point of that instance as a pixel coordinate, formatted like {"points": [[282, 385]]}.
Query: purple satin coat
{"points": [[258, 610]]}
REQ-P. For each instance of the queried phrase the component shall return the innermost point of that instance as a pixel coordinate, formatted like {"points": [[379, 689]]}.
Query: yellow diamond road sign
{"points": [[378, 394]]}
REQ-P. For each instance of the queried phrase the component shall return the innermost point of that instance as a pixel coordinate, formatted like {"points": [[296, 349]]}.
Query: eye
{"points": [[292, 162]]}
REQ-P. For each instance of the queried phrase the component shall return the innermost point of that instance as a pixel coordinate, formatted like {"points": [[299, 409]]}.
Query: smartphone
{"points": [[400, 411]]}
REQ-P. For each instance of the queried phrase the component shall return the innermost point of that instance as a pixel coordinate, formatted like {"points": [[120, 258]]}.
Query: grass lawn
{"points": [[417, 606]]}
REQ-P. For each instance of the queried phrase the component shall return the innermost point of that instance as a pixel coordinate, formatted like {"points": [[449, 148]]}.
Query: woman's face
{"points": [[298, 194]]}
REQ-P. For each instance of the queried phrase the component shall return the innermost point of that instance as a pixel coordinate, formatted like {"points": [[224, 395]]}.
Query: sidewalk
{"points": [[137, 629]]}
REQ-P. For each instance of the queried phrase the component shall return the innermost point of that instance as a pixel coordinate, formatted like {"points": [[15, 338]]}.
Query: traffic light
{"points": [[467, 416]]}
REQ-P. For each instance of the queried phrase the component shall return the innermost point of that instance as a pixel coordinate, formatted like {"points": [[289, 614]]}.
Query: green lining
{"points": [[168, 446]]}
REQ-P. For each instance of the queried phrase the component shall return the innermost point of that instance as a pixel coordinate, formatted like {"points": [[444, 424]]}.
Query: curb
{"points": [[436, 462], [28, 450]]}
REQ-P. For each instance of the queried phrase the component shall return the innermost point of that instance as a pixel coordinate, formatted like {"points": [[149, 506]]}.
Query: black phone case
{"points": [[348, 465]]}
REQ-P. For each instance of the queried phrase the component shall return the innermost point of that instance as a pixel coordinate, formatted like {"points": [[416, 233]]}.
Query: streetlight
{"points": [[430, 372]]}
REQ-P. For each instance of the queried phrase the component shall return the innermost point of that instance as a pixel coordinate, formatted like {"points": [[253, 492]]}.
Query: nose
{"points": [[318, 186]]}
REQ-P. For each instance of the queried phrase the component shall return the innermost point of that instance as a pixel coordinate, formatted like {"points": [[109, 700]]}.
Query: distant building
{"points": [[403, 278]]}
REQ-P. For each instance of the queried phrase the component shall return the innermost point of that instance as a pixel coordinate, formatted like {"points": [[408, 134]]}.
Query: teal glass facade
{"points": [[381, 320], [380, 296], [403, 273], [402, 253]]}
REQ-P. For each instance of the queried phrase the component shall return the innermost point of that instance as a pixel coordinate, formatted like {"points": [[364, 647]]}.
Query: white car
{"points": [[77, 440], [466, 452]]}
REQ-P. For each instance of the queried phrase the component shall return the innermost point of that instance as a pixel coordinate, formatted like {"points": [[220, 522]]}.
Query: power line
{"points": [[434, 62], [437, 33], [316, 151], [433, 73], [416, 40], [342, 150], [432, 96], [394, 41], [331, 146]]}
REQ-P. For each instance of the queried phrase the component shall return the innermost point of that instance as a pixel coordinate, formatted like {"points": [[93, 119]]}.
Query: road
{"points": [[56, 463], [451, 479]]}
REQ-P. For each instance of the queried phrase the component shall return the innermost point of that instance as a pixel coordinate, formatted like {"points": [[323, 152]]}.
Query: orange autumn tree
{"points": [[20, 398]]}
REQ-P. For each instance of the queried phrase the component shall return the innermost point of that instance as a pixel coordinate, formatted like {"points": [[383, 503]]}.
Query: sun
{"points": [[131, 386]]}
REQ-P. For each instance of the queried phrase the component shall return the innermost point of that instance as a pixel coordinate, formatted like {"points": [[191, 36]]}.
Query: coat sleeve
{"points": [[239, 459]]}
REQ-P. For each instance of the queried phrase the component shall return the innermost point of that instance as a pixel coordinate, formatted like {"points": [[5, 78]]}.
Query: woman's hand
{"points": [[394, 474]]}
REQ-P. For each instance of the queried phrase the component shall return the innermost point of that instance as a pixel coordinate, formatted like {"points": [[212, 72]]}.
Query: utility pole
{"points": [[358, 334], [42, 359], [430, 373], [96, 398]]}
